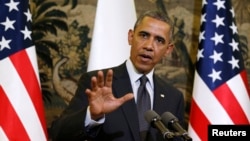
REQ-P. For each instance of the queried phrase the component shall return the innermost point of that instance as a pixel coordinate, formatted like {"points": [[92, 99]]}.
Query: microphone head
{"points": [[151, 115], [168, 117]]}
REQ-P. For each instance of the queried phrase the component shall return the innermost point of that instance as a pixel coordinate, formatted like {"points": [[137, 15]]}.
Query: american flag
{"points": [[21, 108], [220, 92]]}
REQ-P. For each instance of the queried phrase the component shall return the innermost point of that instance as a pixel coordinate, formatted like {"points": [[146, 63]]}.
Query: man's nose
{"points": [[149, 44]]}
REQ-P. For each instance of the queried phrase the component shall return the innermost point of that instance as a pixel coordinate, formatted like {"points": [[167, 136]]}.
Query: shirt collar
{"points": [[134, 75]]}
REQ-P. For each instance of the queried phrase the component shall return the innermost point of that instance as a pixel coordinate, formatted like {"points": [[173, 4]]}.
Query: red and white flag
{"points": [[220, 92], [109, 45], [22, 115]]}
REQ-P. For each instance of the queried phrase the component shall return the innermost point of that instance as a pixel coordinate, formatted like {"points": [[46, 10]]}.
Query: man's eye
{"points": [[143, 35], [159, 40]]}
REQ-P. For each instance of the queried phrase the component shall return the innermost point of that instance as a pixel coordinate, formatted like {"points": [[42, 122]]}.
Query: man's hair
{"points": [[159, 16]]}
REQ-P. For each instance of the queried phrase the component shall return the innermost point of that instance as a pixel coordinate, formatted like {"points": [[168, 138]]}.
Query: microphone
{"points": [[155, 120], [171, 121]]}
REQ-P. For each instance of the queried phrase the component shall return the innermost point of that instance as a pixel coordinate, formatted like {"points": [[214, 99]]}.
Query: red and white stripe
{"points": [[22, 113], [229, 104]]}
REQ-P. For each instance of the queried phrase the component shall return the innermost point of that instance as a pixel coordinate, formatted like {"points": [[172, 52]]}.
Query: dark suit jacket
{"points": [[122, 124]]}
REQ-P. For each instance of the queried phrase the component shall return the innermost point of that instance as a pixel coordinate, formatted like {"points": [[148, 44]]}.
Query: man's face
{"points": [[149, 43]]}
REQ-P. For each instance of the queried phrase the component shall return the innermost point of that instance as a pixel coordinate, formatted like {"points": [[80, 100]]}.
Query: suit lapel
{"points": [[122, 86], [160, 96]]}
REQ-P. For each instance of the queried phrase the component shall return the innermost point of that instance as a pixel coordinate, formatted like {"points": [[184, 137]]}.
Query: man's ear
{"points": [[169, 49], [130, 36]]}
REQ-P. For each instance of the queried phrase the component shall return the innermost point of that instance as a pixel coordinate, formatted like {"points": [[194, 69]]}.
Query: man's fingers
{"points": [[126, 98], [94, 83], [109, 78], [100, 79], [89, 94]]}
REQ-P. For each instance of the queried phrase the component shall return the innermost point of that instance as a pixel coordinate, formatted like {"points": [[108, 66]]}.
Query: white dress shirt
{"points": [[134, 79]]}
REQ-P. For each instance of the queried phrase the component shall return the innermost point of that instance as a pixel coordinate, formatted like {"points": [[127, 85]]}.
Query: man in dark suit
{"points": [[104, 106]]}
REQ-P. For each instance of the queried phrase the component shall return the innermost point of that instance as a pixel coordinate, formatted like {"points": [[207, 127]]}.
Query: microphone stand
{"points": [[168, 136], [184, 136]]}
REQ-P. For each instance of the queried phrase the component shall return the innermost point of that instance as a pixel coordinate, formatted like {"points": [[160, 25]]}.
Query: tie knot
{"points": [[143, 80]]}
